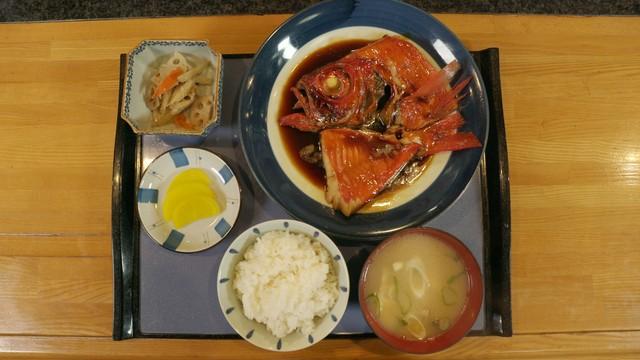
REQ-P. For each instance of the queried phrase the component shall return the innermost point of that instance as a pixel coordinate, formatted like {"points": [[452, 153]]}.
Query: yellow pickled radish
{"points": [[194, 208], [189, 198], [176, 194], [190, 175]]}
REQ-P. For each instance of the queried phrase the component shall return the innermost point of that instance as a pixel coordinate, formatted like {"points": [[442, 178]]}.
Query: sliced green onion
{"points": [[441, 324], [373, 302], [404, 300], [444, 323], [394, 290], [453, 257], [455, 277], [449, 296], [415, 327]]}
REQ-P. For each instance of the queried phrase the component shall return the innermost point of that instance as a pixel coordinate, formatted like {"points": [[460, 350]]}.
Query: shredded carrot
{"points": [[181, 120], [168, 82]]}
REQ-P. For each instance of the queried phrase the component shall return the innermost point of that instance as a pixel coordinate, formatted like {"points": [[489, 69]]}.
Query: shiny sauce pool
{"points": [[294, 140]]}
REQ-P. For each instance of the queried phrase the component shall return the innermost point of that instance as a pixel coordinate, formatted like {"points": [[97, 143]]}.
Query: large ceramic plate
{"points": [[332, 21]]}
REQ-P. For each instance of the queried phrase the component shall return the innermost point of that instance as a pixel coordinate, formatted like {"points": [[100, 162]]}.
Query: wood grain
{"points": [[609, 346], [570, 94], [60, 245], [56, 295]]}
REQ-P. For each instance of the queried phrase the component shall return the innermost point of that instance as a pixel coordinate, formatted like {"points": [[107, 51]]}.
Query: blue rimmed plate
{"points": [[316, 27], [257, 333], [199, 235]]}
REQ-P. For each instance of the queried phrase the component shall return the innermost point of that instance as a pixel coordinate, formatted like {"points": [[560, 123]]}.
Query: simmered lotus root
{"points": [[201, 110], [180, 91], [155, 79], [176, 60], [204, 90], [205, 77]]}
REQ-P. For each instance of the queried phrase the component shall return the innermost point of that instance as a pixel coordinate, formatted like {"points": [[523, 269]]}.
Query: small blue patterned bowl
{"points": [[257, 333], [134, 110]]}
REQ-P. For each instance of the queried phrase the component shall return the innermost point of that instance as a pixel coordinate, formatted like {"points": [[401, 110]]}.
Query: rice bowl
{"points": [[307, 312], [285, 281]]}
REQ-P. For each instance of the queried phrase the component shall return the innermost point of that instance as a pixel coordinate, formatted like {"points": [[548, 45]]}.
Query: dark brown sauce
{"points": [[294, 139]]}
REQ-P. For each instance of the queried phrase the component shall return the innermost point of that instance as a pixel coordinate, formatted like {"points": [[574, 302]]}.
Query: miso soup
{"points": [[416, 286]]}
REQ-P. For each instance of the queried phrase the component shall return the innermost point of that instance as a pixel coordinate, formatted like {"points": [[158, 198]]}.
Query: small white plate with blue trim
{"points": [[201, 234]]}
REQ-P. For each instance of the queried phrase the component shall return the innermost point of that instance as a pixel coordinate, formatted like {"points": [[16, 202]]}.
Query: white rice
{"points": [[285, 281]]}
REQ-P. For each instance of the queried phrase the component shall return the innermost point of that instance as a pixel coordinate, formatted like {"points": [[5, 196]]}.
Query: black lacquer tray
{"points": [[159, 293]]}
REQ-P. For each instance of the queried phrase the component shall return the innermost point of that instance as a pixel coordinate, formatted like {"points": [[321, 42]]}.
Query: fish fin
{"points": [[458, 141], [299, 121], [350, 156], [437, 81]]}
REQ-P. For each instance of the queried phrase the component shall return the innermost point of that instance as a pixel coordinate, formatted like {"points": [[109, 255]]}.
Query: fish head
{"points": [[335, 95], [333, 88]]}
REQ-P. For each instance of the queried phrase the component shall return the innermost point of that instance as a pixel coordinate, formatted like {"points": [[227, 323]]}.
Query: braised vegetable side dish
{"points": [[180, 91], [376, 112]]}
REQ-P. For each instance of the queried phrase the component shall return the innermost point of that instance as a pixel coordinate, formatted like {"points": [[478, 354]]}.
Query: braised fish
{"points": [[377, 109], [359, 165]]}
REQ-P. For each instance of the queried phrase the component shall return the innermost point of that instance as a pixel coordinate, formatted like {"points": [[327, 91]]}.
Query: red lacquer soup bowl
{"points": [[459, 326]]}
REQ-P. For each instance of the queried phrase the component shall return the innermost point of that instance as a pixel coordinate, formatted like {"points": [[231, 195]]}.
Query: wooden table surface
{"points": [[571, 92]]}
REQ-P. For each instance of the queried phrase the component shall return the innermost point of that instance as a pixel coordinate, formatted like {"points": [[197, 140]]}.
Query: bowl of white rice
{"points": [[283, 285]]}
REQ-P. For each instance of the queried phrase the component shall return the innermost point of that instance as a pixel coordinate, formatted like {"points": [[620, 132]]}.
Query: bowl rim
{"points": [[242, 242], [467, 316]]}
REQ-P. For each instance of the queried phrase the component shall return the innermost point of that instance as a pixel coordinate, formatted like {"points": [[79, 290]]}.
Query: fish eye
{"points": [[332, 85]]}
